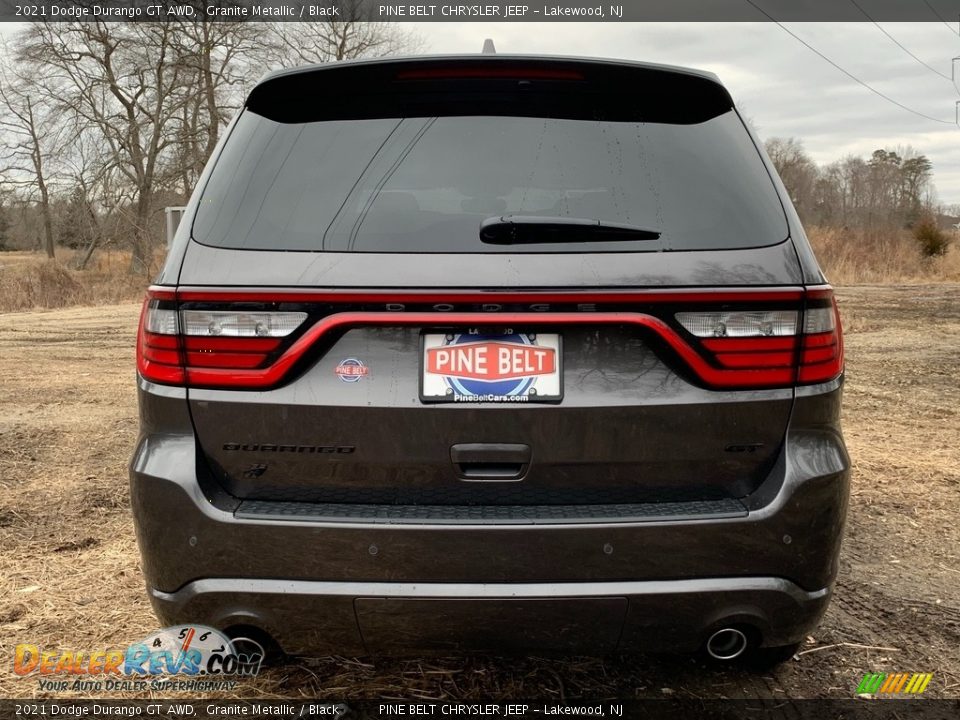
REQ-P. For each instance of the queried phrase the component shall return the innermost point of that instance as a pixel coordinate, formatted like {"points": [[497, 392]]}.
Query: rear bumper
{"points": [[594, 617], [319, 583]]}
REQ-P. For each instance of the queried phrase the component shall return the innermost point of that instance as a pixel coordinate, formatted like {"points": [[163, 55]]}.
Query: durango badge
{"points": [[351, 370]]}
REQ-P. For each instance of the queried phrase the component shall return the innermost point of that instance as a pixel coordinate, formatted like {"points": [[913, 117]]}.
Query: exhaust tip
{"points": [[249, 639], [727, 644]]}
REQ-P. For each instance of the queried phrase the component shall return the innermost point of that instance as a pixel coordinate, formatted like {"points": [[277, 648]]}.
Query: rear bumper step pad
{"points": [[490, 514]]}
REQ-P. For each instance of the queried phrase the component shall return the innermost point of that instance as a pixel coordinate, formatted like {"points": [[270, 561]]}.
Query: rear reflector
{"points": [[727, 340]]}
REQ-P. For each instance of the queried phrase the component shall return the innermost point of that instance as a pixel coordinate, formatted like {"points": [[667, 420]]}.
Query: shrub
{"points": [[859, 256], [933, 241]]}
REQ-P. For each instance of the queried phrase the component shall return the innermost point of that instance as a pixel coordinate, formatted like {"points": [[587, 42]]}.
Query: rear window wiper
{"points": [[528, 229]]}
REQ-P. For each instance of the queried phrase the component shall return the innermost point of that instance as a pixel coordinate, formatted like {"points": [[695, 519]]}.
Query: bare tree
{"points": [[796, 169], [915, 175], [340, 39], [125, 80], [97, 196], [223, 58], [891, 188], [32, 143], [139, 108], [4, 225]]}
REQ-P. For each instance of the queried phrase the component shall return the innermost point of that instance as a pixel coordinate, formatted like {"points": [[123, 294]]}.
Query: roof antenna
{"points": [[488, 48]]}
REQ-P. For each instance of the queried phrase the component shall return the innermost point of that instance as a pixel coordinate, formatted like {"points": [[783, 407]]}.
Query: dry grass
{"points": [[30, 281], [855, 257]]}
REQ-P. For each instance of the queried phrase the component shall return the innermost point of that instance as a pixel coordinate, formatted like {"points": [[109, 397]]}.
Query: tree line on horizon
{"points": [[102, 125], [892, 189]]}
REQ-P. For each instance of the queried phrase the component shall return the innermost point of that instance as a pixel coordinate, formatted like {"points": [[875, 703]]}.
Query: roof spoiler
{"points": [[485, 84]]}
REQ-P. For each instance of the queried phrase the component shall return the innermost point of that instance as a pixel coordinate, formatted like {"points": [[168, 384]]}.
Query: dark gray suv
{"points": [[491, 353]]}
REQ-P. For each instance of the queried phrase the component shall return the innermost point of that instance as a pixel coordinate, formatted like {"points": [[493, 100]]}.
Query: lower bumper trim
{"points": [[321, 617]]}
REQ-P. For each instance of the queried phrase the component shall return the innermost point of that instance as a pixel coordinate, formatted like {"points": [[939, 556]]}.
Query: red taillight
{"points": [[177, 346], [158, 341], [728, 339], [821, 358], [771, 348]]}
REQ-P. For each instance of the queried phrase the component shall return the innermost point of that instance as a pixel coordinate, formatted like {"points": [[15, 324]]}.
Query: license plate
{"points": [[483, 365]]}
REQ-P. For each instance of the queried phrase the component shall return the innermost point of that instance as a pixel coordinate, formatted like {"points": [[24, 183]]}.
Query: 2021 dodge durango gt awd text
{"points": [[491, 353]]}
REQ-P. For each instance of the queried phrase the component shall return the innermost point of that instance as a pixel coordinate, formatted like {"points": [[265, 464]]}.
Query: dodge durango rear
{"points": [[491, 354]]}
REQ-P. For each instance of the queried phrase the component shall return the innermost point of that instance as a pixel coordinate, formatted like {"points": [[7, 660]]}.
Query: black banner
{"points": [[946, 11], [685, 709]]}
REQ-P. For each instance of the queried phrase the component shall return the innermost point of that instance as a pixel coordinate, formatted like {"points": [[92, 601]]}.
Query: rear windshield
{"points": [[425, 184]]}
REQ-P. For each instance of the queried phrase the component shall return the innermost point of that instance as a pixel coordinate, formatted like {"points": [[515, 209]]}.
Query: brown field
{"points": [[70, 570], [881, 257], [29, 281]]}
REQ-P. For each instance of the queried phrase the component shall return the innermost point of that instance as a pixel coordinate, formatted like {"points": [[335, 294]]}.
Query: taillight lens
{"points": [[202, 346], [213, 323], [821, 357], [728, 339], [770, 348], [234, 340], [740, 324], [158, 341]]}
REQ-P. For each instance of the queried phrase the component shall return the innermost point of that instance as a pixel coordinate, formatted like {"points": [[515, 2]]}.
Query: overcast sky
{"points": [[785, 89]]}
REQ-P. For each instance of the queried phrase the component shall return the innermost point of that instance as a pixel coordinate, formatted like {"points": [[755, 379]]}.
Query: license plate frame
{"points": [[513, 388]]}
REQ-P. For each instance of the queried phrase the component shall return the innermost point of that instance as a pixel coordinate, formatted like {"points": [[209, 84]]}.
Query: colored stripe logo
{"points": [[894, 683]]}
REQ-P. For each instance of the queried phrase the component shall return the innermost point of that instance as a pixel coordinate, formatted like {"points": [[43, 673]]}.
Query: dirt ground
{"points": [[70, 571]]}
